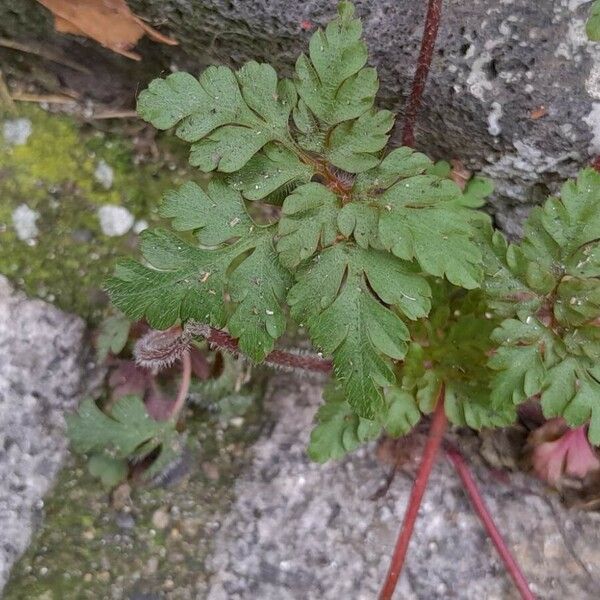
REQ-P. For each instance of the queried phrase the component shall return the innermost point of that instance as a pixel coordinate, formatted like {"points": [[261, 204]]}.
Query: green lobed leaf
{"points": [[273, 169], [339, 429], [521, 360], [193, 283], [400, 163], [506, 283], [308, 220], [339, 294], [360, 220], [563, 226], [123, 432], [572, 390], [421, 220], [353, 145], [228, 115], [551, 282], [113, 334], [332, 81], [476, 191], [217, 215], [109, 470], [402, 412], [577, 301]]}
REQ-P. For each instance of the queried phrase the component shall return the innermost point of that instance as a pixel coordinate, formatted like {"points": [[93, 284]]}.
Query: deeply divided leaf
{"points": [[341, 296], [551, 283]]}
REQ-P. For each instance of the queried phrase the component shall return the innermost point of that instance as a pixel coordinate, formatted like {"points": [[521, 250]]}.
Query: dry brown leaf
{"points": [[109, 22], [459, 174]]}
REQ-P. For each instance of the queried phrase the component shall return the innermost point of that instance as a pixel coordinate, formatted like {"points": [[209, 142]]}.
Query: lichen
{"points": [[54, 175]]}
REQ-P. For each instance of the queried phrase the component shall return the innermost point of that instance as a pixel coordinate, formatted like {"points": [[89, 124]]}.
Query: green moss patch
{"points": [[51, 180]]}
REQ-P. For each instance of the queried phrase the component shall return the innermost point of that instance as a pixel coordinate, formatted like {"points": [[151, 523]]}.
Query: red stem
{"points": [[434, 439], [432, 22], [280, 358], [462, 468], [184, 384]]}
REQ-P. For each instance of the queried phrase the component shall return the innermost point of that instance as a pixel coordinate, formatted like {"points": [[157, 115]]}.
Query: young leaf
{"points": [[451, 349], [112, 336], [124, 431], [109, 470], [339, 430], [333, 82]]}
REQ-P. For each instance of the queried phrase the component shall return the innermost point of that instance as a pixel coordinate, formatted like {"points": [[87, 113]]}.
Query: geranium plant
{"points": [[408, 294]]}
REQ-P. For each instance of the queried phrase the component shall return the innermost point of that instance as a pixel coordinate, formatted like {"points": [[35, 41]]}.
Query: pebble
{"points": [[17, 131], [24, 221], [124, 520], [160, 518], [210, 470], [104, 174], [115, 220]]}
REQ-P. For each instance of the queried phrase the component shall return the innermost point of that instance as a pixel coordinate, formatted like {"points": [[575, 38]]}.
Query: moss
{"points": [[53, 174]]}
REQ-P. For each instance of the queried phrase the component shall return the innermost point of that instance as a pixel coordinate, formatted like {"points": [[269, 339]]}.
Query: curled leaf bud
{"points": [[158, 350]]}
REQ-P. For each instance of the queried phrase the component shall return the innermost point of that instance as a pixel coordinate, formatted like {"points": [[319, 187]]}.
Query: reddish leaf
{"points": [[158, 405], [129, 379], [200, 366], [559, 452]]}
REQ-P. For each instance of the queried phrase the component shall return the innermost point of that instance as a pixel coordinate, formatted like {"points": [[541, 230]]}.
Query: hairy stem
{"points": [[184, 384], [279, 358], [462, 468], [432, 22], [434, 439]]}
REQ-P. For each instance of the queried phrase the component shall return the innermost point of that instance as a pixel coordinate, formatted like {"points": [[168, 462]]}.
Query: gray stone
{"points": [[302, 531], [495, 65], [42, 355]]}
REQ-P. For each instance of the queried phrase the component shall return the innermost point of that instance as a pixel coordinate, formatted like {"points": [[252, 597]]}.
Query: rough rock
{"points": [[42, 358], [514, 88], [301, 531]]}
